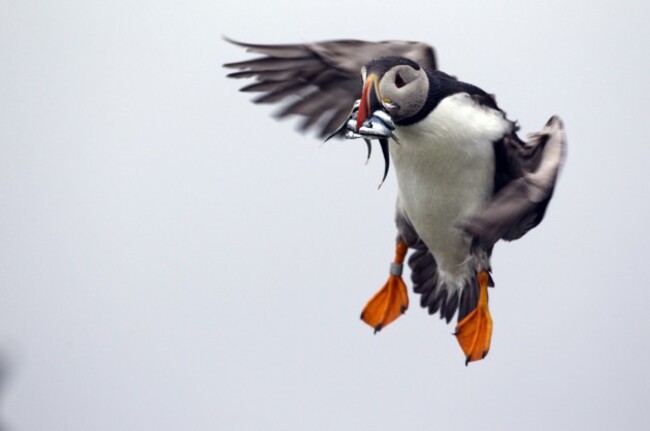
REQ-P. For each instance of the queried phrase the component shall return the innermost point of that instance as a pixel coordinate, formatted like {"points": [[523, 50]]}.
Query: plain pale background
{"points": [[172, 258]]}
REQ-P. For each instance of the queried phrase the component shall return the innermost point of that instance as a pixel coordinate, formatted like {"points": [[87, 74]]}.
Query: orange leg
{"points": [[474, 332], [391, 301]]}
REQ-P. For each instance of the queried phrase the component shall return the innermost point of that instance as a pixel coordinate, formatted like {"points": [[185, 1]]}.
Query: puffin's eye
{"points": [[399, 81]]}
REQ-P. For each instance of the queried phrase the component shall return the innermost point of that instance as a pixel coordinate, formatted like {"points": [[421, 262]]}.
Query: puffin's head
{"points": [[395, 84]]}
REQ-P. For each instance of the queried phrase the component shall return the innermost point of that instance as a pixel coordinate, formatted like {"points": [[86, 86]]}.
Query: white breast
{"points": [[445, 172]]}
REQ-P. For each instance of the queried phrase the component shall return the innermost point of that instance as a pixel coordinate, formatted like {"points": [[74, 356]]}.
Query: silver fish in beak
{"points": [[360, 124]]}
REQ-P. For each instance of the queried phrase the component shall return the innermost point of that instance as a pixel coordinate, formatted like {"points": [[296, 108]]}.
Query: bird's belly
{"points": [[437, 197], [443, 178]]}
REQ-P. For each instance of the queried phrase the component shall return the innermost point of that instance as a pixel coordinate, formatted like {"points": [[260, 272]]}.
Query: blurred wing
{"points": [[320, 81], [524, 183]]}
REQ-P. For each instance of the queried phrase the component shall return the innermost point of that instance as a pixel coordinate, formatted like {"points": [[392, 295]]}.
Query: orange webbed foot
{"points": [[474, 332], [391, 301], [387, 305]]}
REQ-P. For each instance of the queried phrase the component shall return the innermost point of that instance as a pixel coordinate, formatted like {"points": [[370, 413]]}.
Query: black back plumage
{"points": [[442, 85]]}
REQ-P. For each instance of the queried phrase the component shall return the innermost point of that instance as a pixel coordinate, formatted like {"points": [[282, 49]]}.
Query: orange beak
{"points": [[369, 100]]}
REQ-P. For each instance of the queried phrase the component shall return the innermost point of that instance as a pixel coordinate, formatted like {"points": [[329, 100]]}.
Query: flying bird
{"points": [[465, 178]]}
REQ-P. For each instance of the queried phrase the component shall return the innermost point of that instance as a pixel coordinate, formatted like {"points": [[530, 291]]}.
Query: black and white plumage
{"points": [[464, 184], [465, 178]]}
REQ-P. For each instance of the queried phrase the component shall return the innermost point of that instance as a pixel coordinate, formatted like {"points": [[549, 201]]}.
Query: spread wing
{"points": [[320, 81], [526, 173]]}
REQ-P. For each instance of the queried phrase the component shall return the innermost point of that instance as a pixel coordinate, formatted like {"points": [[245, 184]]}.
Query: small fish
{"points": [[384, 149], [385, 118], [379, 126], [376, 129], [347, 124], [369, 145], [352, 135]]}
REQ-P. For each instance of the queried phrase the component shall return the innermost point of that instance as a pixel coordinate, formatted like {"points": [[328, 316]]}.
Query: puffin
{"points": [[465, 178]]}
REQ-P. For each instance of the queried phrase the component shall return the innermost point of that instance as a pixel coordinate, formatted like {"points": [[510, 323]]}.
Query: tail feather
{"points": [[437, 295]]}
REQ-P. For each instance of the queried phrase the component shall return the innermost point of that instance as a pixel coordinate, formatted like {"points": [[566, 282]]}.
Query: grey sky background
{"points": [[173, 258]]}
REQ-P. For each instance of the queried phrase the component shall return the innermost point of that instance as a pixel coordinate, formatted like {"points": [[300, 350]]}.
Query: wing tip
{"points": [[555, 122], [231, 65], [554, 127], [233, 41]]}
